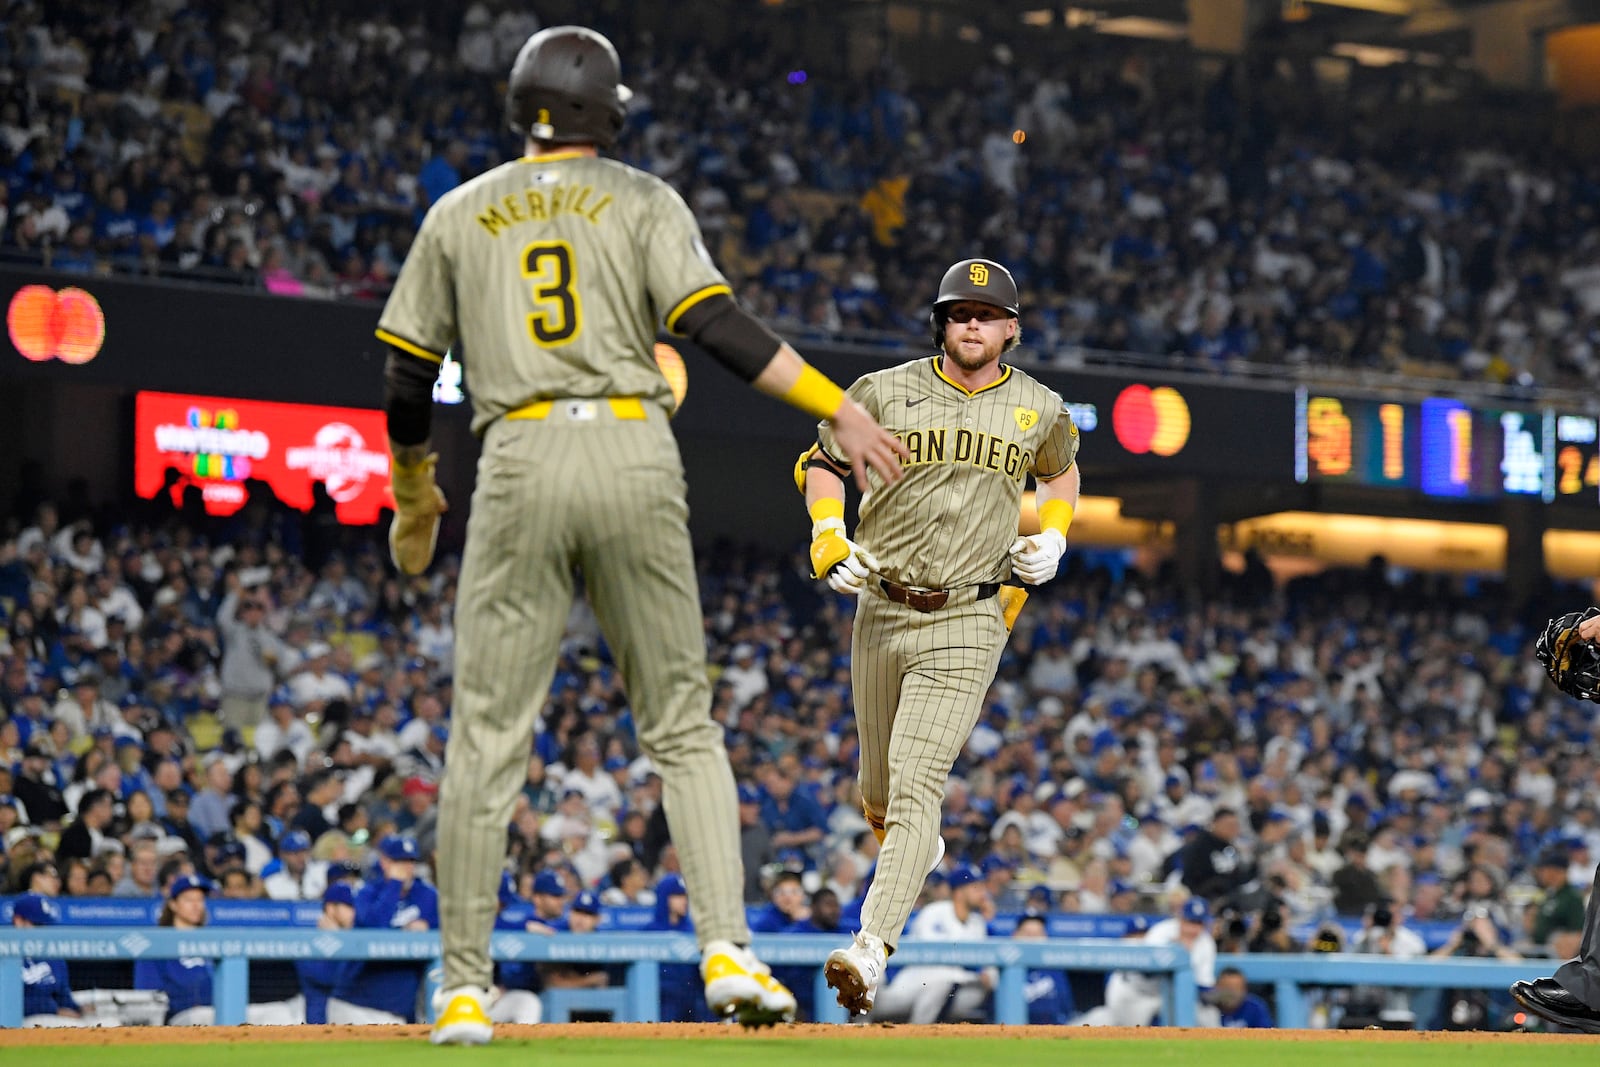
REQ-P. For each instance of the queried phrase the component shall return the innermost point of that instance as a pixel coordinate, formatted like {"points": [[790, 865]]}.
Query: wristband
{"points": [[815, 394], [1055, 515], [827, 508]]}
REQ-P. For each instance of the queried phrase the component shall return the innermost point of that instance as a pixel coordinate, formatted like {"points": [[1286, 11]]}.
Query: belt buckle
{"points": [[580, 410], [926, 600]]}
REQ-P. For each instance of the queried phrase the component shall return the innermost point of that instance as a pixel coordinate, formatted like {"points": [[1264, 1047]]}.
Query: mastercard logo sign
{"points": [[1151, 420], [45, 324]]}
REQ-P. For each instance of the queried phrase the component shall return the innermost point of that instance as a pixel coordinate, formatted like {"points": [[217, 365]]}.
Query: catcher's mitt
{"points": [[1572, 663]]}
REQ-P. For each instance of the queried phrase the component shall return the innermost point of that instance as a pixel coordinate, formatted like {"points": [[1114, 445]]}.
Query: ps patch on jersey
{"points": [[1026, 418]]}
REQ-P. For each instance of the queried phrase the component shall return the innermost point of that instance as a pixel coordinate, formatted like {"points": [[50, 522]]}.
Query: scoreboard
{"points": [[1350, 440], [1447, 448], [1575, 473]]}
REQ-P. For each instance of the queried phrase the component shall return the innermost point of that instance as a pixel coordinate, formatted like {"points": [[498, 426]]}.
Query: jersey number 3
{"points": [[549, 266]]}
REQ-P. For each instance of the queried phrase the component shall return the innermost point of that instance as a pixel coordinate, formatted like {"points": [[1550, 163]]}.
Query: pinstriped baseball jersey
{"points": [[950, 521], [544, 257], [554, 272]]}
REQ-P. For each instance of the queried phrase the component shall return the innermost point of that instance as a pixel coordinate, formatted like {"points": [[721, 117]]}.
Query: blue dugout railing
{"points": [[1290, 975], [234, 947]]}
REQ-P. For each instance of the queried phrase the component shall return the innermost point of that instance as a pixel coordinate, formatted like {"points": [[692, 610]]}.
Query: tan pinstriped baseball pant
{"points": [[919, 679], [606, 496]]}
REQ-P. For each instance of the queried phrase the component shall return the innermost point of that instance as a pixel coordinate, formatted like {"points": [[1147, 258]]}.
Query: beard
{"points": [[959, 355]]}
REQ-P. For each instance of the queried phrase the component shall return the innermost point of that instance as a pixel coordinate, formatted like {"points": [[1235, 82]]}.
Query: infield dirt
{"points": [[161, 1035]]}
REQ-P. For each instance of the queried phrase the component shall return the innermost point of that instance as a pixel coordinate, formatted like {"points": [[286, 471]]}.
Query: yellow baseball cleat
{"points": [[741, 987], [463, 1020]]}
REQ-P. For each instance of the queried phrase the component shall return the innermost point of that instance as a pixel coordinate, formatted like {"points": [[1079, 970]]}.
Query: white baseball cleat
{"points": [[739, 986], [855, 972], [938, 856], [463, 1020]]}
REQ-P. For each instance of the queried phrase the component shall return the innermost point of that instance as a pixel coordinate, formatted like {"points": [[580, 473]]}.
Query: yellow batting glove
{"points": [[418, 505], [1012, 597], [828, 550], [845, 564]]}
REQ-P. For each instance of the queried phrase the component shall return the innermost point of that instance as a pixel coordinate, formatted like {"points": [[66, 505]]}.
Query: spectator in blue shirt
{"points": [[441, 174], [46, 992], [786, 905], [1240, 1008], [187, 981], [385, 992], [796, 821], [116, 227], [319, 978], [1048, 993], [516, 913], [157, 227], [544, 914], [683, 998], [826, 917], [583, 917]]}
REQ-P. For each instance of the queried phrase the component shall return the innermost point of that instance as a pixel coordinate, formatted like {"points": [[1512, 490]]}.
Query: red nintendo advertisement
{"points": [[222, 445]]}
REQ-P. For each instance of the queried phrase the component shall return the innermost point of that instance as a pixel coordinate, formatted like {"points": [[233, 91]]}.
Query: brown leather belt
{"points": [[929, 599]]}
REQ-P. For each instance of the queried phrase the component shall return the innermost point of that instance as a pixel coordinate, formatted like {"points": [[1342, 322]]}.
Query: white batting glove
{"points": [[1034, 559], [845, 564]]}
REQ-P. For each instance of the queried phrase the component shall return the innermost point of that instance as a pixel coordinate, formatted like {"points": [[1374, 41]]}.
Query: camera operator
{"points": [[1231, 929], [1255, 919], [1476, 937], [1271, 931], [1382, 935]]}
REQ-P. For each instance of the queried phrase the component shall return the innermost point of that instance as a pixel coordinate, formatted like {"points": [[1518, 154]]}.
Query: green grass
{"points": [[780, 1052]]}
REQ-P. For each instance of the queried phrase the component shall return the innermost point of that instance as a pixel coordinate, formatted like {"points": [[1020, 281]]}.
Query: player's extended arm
{"points": [[1034, 559], [845, 564], [740, 342], [418, 500]]}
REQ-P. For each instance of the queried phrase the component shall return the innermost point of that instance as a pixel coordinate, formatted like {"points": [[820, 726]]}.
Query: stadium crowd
{"points": [[258, 702], [294, 148]]}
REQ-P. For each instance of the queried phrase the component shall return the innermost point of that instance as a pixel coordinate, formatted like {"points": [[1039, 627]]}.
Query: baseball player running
{"points": [[927, 561], [554, 271]]}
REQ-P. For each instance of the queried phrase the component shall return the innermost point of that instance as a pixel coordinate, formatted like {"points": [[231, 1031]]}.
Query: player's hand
{"points": [[1589, 629], [866, 444], [418, 504], [845, 564], [1034, 559]]}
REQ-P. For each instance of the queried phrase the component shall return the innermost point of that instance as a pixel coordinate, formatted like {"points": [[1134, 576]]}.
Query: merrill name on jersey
{"points": [[537, 205]]}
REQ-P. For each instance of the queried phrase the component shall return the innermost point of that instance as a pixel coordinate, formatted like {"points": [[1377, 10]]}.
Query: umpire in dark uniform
{"points": [[1571, 997]]}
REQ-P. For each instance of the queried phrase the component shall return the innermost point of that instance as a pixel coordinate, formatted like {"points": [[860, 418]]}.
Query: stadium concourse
{"points": [[1140, 213]]}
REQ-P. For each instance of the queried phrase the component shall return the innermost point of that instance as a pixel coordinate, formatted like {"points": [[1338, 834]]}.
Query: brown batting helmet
{"points": [[983, 280], [566, 87]]}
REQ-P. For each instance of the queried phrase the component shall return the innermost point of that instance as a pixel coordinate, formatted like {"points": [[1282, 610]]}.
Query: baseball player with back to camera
{"points": [[927, 561], [1571, 997], [554, 271]]}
